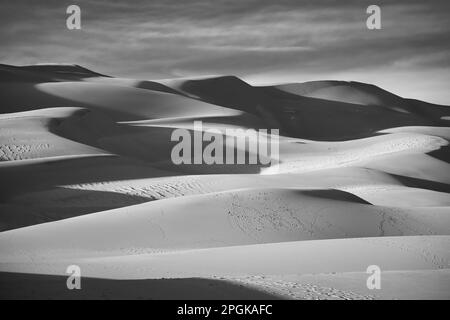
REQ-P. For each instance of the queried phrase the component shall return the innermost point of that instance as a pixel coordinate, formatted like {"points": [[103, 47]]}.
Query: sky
{"points": [[261, 41]]}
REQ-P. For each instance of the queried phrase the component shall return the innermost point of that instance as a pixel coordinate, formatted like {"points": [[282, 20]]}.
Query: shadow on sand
{"points": [[34, 286]]}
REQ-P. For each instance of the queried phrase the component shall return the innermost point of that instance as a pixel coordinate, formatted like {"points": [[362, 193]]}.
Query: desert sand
{"points": [[88, 180]]}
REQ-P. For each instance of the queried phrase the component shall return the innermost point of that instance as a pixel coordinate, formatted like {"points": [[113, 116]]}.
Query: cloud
{"points": [[276, 40]]}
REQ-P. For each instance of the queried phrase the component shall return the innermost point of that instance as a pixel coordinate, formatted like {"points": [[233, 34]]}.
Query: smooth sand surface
{"points": [[87, 179]]}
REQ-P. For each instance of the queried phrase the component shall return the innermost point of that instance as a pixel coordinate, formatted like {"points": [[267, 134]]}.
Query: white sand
{"points": [[87, 179]]}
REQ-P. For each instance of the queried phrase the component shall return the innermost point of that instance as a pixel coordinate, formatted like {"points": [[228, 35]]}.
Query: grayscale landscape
{"points": [[88, 178]]}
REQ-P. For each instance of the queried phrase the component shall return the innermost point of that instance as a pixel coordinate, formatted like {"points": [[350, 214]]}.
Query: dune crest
{"points": [[363, 179]]}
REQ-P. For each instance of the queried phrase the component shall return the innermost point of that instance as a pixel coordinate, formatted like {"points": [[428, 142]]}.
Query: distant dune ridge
{"points": [[87, 180]]}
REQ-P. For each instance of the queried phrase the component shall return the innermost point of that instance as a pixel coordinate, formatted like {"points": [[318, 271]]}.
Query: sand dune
{"points": [[29, 135], [362, 94], [226, 219], [342, 255], [85, 161]]}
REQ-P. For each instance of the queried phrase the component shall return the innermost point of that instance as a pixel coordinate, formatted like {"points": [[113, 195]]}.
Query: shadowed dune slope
{"points": [[231, 218], [88, 178]]}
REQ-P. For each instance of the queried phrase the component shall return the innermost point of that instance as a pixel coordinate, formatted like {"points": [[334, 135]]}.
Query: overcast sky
{"points": [[259, 40]]}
